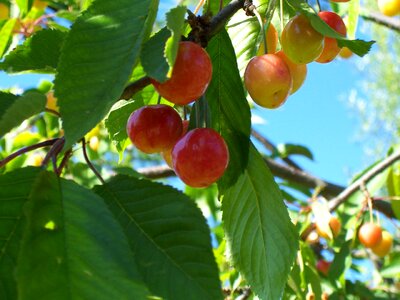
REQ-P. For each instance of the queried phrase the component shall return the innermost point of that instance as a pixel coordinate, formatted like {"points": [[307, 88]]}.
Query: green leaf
{"points": [[175, 21], [341, 262], [230, 112], [285, 150], [117, 119], [168, 234], [245, 33], [393, 187], [72, 247], [38, 53], [214, 6], [15, 109], [262, 238], [96, 61], [353, 13], [391, 269], [14, 191], [24, 6], [152, 56], [359, 47], [5, 35]]}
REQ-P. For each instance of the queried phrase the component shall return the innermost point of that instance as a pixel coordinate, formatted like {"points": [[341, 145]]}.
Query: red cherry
{"points": [[331, 48], [190, 76], [154, 128], [200, 157], [167, 154], [323, 266]]}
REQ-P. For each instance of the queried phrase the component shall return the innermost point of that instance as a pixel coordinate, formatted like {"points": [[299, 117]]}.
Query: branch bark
{"points": [[389, 22]]}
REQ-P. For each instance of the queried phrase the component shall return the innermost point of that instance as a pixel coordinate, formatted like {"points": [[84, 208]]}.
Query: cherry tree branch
{"points": [[27, 149], [355, 186], [389, 22]]}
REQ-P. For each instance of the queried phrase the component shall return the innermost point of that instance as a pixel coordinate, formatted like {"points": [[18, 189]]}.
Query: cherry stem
{"points": [[185, 111], [258, 16], [52, 111], [281, 13], [319, 6], [89, 163], [159, 99], [25, 150], [53, 152], [367, 195], [64, 161], [198, 6]]}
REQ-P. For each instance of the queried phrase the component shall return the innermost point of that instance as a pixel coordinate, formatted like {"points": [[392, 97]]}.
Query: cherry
{"points": [[268, 80], [190, 76], [200, 157], [370, 235], [272, 41], [300, 41], [345, 52], [4, 11], [298, 71], [384, 247], [334, 225], [331, 48], [389, 8], [167, 154], [323, 266], [154, 128]]}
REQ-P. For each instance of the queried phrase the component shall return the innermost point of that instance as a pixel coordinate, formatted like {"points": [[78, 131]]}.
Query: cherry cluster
{"points": [[199, 156], [270, 78]]}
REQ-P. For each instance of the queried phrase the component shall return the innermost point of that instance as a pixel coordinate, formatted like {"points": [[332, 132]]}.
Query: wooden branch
{"points": [[389, 22], [345, 194]]}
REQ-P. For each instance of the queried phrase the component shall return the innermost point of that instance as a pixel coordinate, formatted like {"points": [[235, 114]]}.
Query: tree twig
{"points": [[271, 147], [389, 22], [89, 163], [355, 186], [25, 150]]}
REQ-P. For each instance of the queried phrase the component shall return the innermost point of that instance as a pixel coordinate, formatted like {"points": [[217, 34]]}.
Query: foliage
{"points": [[82, 215]]}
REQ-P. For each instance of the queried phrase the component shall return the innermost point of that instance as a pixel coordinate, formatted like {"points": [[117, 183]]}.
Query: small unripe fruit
{"points": [[272, 41], [345, 52], [268, 80], [298, 71], [190, 76], [4, 11], [385, 245], [154, 128], [389, 8], [300, 41], [52, 102], [94, 143], [334, 225], [200, 157], [370, 235]]}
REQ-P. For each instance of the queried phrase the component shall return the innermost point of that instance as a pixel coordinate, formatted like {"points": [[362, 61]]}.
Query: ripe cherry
{"points": [[323, 266], [190, 76], [200, 157], [167, 154], [334, 225], [272, 41], [154, 128], [298, 71], [370, 235], [268, 80], [331, 48], [300, 41], [384, 247], [389, 8]]}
